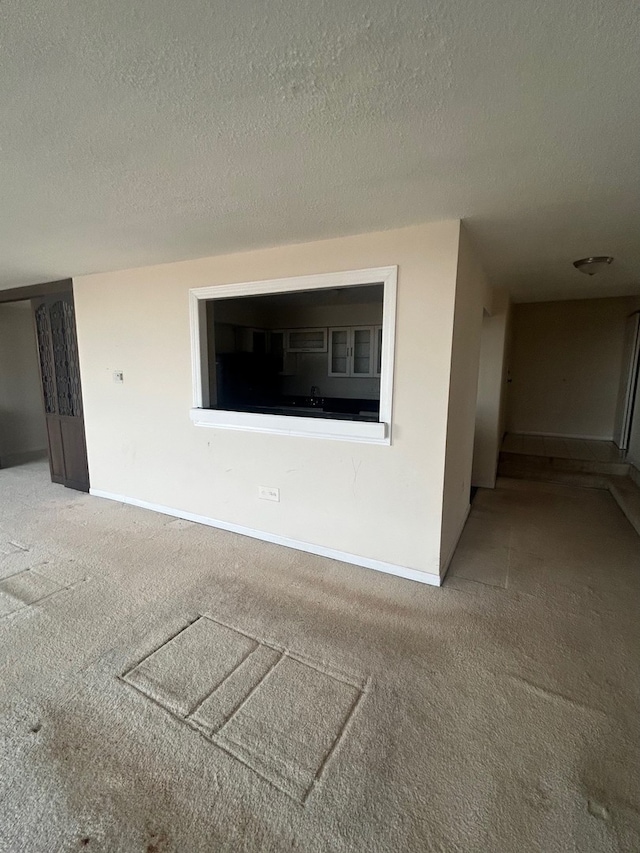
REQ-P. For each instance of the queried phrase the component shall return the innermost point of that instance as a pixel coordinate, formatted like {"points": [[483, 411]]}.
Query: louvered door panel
{"points": [[61, 390]]}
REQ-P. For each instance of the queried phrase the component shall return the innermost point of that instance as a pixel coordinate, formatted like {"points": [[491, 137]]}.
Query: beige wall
{"points": [[377, 502], [472, 295], [490, 410], [565, 366], [22, 428]]}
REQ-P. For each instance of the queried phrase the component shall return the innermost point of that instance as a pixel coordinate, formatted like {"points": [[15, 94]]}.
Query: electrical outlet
{"points": [[268, 493], [118, 377]]}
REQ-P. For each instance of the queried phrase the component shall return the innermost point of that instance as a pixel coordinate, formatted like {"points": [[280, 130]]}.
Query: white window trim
{"points": [[365, 431]]}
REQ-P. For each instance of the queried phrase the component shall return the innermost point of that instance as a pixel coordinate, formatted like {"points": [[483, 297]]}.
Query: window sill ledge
{"points": [[338, 430]]}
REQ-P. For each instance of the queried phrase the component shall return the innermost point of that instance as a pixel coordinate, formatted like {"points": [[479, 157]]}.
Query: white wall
{"points": [[490, 409], [22, 427], [565, 365], [379, 503], [472, 295]]}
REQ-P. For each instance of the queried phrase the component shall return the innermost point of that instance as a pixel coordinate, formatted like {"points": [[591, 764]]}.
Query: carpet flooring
{"points": [[170, 687]]}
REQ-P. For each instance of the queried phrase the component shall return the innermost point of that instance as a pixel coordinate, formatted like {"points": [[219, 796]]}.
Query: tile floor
{"points": [[536, 537], [563, 448]]}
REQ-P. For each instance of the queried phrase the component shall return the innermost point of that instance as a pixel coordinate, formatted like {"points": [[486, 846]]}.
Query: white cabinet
{"points": [[353, 351], [339, 352], [306, 340], [362, 338], [377, 351]]}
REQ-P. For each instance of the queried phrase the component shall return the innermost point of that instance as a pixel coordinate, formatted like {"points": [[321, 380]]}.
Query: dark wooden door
{"points": [[55, 323]]}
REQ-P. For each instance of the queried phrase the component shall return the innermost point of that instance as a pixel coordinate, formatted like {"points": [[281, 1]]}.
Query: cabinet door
{"points": [[362, 345], [377, 356], [276, 348], [285, 361], [307, 340], [339, 352], [250, 340]]}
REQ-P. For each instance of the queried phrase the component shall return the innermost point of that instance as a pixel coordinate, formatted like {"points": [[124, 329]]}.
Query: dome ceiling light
{"points": [[590, 266]]}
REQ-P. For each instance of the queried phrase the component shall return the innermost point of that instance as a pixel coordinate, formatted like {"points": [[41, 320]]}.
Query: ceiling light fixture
{"points": [[590, 266]]}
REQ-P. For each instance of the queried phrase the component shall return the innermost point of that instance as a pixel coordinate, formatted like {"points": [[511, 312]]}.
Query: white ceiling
{"points": [[157, 130]]}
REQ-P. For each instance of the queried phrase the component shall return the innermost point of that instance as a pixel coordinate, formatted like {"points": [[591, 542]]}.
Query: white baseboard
{"points": [[319, 550], [444, 565], [565, 435]]}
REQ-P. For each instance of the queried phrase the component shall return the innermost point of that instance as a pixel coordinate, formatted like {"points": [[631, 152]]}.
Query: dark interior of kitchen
{"points": [[314, 353]]}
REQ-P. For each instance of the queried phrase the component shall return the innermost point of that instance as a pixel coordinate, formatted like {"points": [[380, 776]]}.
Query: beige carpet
{"points": [[170, 687]]}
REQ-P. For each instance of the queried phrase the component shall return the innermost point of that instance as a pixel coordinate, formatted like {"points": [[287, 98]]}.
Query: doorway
{"points": [[23, 434], [54, 324], [627, 395]]}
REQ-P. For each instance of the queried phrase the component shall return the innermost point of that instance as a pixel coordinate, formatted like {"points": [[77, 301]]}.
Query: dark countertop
{"points": [[348, 405], [308, 412], [337, 408]]}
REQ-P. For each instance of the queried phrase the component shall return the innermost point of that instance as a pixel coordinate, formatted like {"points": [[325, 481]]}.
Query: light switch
{"points": [[118, 377]]}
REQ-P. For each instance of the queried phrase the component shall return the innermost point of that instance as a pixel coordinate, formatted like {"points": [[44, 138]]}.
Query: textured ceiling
{"points": [[156, 130]]}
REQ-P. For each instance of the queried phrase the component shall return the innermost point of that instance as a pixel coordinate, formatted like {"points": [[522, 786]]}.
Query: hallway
{"points": [[497, 713]]}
